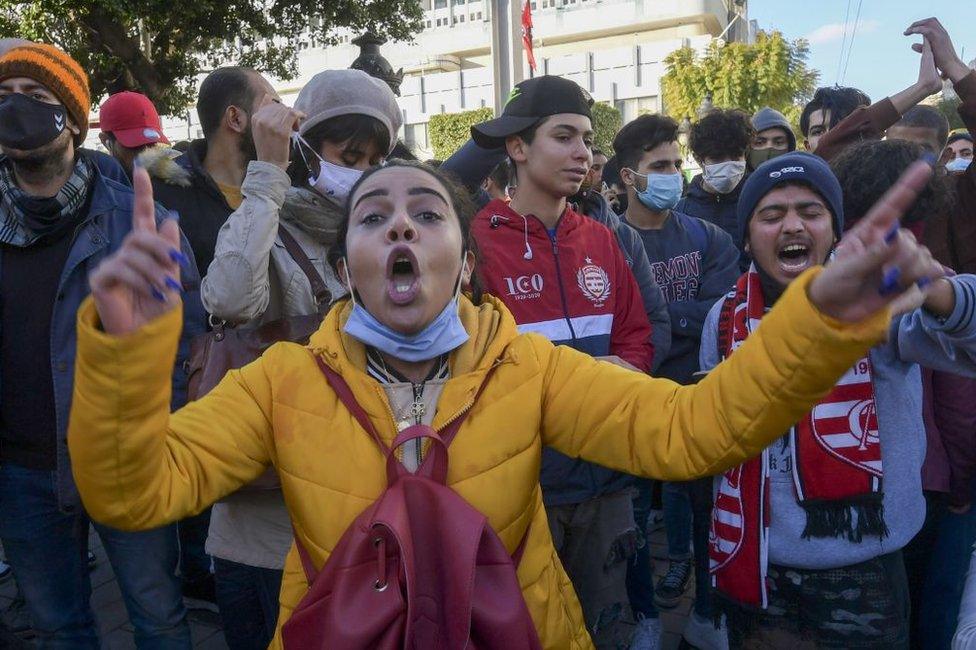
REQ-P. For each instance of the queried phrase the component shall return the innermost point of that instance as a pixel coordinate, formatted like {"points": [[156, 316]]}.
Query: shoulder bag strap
{"points": [[321, 292], [447, 433], [344, 393]]}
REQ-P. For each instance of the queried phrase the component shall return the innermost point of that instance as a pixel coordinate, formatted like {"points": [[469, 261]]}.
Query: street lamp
{"points": [[706, 106], [684, 128]]}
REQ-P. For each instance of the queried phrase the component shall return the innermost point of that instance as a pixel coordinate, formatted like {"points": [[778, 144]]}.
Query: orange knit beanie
{"points": [[60, 73]]}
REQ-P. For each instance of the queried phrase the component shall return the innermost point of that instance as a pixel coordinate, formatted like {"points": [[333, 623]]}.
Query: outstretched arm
{"points": [[827, 319]]}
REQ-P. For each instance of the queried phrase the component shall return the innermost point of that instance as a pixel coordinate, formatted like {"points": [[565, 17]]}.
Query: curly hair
{"points": [[868, 169], [723, 133]]}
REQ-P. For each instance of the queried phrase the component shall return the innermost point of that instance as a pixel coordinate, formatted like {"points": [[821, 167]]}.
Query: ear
{"points": [[467, 268], [517, 148], [745, 245], [105, 140], [236, 119], [627, 177], [343, 272], [73, 127]]}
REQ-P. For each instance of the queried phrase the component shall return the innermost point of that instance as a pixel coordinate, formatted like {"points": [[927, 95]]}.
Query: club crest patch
{"points": [[594, 282]]}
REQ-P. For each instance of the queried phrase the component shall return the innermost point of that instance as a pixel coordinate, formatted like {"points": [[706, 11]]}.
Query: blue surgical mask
{"points": [[333, 181], [663, 191], [444, 334], [958, 164]]}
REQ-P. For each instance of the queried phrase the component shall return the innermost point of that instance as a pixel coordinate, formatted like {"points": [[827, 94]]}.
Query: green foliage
{"points": [[949, 108], [606, 122], [771, 72], [158, 47], [448, 131]]}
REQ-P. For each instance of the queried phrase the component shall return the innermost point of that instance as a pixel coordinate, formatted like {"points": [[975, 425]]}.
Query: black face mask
{"points": [[27, 124]]}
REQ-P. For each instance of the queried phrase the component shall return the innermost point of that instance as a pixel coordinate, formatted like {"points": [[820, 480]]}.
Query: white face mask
{"points": [[333, 181], [723, 177]]}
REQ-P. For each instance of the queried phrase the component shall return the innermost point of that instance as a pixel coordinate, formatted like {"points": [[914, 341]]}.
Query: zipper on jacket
{"points": [[559, 280]]}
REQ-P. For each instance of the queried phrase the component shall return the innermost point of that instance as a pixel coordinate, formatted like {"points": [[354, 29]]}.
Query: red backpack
{"points": [[420, 568]]}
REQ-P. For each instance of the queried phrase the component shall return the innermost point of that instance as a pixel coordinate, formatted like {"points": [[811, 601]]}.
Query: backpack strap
{"points": [[699, 235], [310, 573], [321, 292], [451, 430], [344, 393]]}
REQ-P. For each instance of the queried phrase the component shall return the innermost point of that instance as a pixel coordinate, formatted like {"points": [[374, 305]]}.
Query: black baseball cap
{"points": [[532, 100]]}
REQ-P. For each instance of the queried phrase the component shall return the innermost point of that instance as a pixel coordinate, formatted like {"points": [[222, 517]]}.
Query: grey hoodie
{"points": [[915, 338]]}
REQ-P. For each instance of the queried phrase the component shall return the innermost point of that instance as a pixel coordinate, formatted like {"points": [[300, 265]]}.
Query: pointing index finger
{"points": [[143, 208]]}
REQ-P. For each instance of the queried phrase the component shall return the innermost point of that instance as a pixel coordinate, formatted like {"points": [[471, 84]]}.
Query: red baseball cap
{"points": [[132, 119]]}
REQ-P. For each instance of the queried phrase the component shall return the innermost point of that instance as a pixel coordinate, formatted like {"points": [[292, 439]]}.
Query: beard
{"points": [[246, 144], [47, 159]]}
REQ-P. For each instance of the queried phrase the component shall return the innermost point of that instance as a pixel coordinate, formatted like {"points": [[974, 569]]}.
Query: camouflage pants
{"points": [[860, 606], [594, 540]]}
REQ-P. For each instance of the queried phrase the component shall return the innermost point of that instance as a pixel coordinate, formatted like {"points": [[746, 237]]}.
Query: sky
{"points": [[880, 61]]}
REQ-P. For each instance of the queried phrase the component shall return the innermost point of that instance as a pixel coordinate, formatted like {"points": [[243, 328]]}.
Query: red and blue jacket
{"points": [[574, 287]]}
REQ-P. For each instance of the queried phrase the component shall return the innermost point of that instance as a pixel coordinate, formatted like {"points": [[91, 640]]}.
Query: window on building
{"points": [[479, 15], [415, 137], [440, 4]]}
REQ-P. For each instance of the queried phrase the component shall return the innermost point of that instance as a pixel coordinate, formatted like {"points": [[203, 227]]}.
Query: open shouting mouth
{"points": [[403, 278], [794, 257]]}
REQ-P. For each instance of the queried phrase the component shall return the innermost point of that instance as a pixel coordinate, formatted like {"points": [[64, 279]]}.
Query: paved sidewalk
{"points": [[116, 632]]}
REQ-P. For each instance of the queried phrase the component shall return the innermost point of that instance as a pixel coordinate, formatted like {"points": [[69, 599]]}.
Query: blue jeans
{"points": [[640, 568], [247, 597], [48, 549], [946, 578], [688, 515]]}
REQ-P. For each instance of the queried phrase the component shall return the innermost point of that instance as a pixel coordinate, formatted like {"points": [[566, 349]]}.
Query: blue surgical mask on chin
{"points": [[333, 181], [958, 164], [663, 191], [442, 335]]}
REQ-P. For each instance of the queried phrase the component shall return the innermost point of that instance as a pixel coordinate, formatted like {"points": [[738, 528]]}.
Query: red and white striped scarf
{"points": [[837, 471]]}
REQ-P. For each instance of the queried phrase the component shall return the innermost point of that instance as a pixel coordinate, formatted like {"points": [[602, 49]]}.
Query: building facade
{"points": [[615, 49]]}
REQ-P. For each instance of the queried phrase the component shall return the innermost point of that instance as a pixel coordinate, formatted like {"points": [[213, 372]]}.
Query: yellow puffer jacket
{"points": [[139, 467]]}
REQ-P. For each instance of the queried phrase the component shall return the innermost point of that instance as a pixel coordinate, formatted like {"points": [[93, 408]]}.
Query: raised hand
{"points": [[928, 74], [140, 281], [877, 261], [272, 125], [943, 51]]}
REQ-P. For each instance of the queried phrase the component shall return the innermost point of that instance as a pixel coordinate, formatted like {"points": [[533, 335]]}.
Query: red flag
{"points": [[527, 32]]}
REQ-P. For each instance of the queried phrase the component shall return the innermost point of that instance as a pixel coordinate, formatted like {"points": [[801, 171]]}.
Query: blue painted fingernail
{"points": [[157, 294], [173, 284], [892, 234], [889, 282], [179, 258], [924, 282], [930, 158]]}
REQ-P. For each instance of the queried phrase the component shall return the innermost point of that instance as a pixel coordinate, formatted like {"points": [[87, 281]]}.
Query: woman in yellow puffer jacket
{"points": [[138, 466]]}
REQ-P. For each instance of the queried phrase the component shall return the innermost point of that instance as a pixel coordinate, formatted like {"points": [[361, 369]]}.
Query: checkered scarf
{"points": [[26, 220]]}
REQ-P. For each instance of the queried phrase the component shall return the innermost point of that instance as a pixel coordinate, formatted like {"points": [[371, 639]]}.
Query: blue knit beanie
{"points": [[795, 167]]}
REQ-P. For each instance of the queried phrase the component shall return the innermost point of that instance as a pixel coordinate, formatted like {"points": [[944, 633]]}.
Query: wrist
{"points": [[941, 299], [956, 70]]}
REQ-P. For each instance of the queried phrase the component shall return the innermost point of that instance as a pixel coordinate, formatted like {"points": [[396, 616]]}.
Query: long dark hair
{"points": [[460, 201]]}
